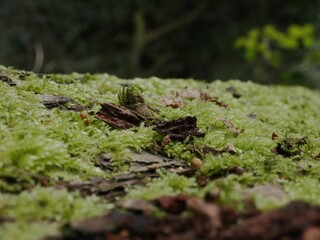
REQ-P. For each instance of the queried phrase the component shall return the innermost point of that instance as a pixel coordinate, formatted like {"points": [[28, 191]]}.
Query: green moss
{"points": [[49, 204], [28, 231], [168, 184], [56, 143]]}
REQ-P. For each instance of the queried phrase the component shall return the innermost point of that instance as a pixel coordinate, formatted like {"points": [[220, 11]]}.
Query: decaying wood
{"points": [[65, 103], [118, 116], [179, 129], [7, 80]]}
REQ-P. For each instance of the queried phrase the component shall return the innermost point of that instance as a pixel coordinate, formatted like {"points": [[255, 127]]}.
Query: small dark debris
{"points": [[213, 151], [202, 180], [65, 103], [234, 92], [5, 219], [179, 129], [274, 136], [118, 116], [290, 147], [4, 78], [252, 116], [237, 170]]}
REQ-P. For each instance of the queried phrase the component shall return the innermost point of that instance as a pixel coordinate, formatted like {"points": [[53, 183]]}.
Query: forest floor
{"points": [[92, 156]]}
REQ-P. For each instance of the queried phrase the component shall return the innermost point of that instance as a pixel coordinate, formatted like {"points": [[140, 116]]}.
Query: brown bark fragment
{"points": [[179, 129], [119, 117]]}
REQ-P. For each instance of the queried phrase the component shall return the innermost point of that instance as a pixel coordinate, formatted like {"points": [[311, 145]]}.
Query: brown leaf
{"points": [[118, 116], [190, 93], [172, 100], [176, 99], [231, 126], [207, 98], [179, 129]]}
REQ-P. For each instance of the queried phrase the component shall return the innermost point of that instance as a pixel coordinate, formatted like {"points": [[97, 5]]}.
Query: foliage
{"points": [[292, 56], [143, 38]]}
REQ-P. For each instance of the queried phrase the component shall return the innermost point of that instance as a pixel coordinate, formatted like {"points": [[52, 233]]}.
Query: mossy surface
{"points": [[54, 143]]}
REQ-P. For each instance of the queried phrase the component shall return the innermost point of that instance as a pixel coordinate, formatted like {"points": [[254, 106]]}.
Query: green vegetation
{"points": [[147, 38], [279, 146]]}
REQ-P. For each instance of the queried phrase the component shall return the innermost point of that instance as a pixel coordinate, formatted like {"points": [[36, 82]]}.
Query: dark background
{"points": [[142, 38]]}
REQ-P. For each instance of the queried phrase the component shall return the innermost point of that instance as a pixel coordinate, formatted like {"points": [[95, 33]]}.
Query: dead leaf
{"points": [[207, 98], [179, 129], [172, 100], [190, 93], [231, 126], [118, 116], [176, 99]]}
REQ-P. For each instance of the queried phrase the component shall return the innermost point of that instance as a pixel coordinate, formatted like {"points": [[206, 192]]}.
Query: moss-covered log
{"points": [[61, 163]]}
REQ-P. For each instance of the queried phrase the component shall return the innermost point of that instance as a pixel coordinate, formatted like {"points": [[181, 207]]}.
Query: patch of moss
{"points": [[57, 144]]}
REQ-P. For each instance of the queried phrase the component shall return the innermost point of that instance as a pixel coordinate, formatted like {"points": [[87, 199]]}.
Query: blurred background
{"points": [[267, 41]]}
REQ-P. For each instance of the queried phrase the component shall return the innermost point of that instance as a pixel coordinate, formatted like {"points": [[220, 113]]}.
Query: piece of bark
{"points": [[65, 103], [4, 78], [179, 129], [118, 116], [292, 220]]}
